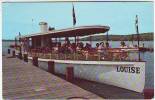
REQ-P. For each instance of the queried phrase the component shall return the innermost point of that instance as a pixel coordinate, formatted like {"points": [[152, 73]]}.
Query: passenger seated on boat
{"points": [[67, 42], [102, 51], [131, 46], [47, 49], [136, 46], [29, 49], [62, 48], [70, 49], [123, 45], [107, 45], [122, 55], [101, 47], [82, 45], [78, 48], [55, 48], [88, 50], [42, 49], [59, 47], [73, 45], [97, 46], [87, 47], [66, 47]]}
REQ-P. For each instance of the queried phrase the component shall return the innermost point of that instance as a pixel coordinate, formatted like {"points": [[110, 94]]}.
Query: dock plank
{"points": [[22, 80]]}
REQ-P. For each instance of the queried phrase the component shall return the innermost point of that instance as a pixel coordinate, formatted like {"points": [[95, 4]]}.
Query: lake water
{"points": [[146, 56]]}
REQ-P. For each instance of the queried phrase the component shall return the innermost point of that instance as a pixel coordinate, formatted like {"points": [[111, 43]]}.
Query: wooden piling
{"points": [[35, 61], [69, 73], [148, 93], [20, 56], [13, 53], [8, 51], [26, 57], [51, 67]]}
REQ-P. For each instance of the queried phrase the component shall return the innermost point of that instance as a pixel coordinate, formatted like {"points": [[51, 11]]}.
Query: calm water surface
{"points": [[146, 56]]}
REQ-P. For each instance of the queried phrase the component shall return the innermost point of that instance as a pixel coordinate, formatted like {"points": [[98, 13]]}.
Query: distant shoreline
{"points": [[8, 40], [133, 37], [73, 40]]}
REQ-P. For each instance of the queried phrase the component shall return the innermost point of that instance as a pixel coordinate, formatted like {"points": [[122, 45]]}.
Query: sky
{"points": [[120, 16]]}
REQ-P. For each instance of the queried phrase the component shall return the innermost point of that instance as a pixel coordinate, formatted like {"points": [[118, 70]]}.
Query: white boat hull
{"points": [[128, 75]]}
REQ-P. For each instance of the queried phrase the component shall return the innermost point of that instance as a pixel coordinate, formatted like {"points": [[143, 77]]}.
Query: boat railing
{"points": [[110, 54]]}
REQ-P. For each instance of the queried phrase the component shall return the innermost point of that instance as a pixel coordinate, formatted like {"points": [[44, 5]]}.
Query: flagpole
{"points": [[20, 45], [32, 25], [74, 22], [137, 30]]}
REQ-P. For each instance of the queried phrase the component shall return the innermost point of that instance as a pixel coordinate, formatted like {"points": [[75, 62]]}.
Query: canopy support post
{"points": [[28, 44], [56, 40], [75, 47], [107, 37], [59, 39], [91, 40], [132, 38], [15, 41], [75, 40]]}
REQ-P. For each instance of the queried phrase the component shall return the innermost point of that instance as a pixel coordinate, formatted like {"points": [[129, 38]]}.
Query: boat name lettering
{"points": [[128, 69]]}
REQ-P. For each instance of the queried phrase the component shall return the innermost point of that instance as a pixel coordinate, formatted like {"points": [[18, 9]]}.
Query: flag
{"points": [[136, 21], [136, 24], [138, 37], [74, 17]]}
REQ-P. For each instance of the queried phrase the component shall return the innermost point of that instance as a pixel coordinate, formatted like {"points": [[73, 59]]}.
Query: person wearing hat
{"points": [[123, 45]]}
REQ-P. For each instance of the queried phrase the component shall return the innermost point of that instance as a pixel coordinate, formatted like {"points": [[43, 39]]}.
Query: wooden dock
{"points": [[22, 80]]}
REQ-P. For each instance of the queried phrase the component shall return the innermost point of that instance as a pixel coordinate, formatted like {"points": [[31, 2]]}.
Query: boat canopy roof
{"points": [[72, 32]]}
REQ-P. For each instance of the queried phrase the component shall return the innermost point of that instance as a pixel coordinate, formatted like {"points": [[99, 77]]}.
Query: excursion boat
{"points": [[119, 67]]}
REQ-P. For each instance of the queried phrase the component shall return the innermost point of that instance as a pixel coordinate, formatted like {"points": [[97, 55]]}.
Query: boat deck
{"points": [[22, 80]]}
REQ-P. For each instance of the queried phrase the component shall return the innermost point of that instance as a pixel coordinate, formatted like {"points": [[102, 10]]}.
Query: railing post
{"points": [[148, 93], [51, 67], [8, 51], [50, 55], [74, 56], [65, 56], [86, 55], [99, 57], [13, 53], [69, 73], [35, 61], [26, 57]]}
